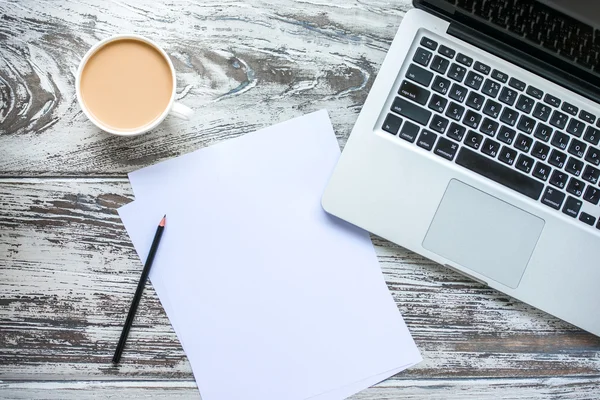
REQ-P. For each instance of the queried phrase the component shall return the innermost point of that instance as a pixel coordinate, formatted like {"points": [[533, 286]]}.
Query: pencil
{"points": [[139, 290]]}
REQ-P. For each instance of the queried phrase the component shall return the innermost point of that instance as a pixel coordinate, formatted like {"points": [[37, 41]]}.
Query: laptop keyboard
{"points": [[481, 118]]}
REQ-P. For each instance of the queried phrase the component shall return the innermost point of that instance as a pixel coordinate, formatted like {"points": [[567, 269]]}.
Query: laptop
{"points": [[478, 148]]}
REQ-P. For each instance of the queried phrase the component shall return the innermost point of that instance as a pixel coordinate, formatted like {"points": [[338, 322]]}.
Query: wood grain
{"points": [[431, 389], [241, 66], [69, 271]]}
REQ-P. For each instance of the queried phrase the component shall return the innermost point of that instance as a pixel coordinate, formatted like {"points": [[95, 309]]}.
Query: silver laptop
{"points": [[478, 147]]}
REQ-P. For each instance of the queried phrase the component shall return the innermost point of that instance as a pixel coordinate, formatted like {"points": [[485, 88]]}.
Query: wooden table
{"points": [[68, 269]]}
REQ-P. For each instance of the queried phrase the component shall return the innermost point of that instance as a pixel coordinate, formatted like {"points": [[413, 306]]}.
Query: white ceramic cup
{"points": [[173, 108]]}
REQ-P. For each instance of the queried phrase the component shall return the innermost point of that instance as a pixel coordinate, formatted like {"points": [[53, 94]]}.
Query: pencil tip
{"points": [[163, 221]]}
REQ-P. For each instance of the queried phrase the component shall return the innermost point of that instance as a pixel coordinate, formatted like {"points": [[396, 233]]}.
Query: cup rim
{"points": [[89, 115]]}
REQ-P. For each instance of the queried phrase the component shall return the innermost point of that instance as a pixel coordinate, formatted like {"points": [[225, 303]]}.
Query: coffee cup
{"points": [[125, 85]]}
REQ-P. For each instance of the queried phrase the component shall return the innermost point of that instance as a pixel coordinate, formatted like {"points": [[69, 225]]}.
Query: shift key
{"points": [[413, 92], [411, 111]]}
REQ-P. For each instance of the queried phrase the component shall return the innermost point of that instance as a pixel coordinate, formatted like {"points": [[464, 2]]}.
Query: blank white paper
{"points": [[271, 297]]}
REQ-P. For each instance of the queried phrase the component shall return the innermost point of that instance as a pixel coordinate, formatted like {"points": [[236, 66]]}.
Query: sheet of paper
{"points": [[271, 297], [335, 394], [163, 293]]}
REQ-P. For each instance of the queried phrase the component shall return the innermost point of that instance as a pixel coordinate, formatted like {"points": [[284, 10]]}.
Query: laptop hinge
{"points": [[524, 60]]}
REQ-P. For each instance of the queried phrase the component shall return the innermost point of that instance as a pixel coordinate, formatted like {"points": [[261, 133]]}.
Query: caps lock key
{"points": [[413, 92]]}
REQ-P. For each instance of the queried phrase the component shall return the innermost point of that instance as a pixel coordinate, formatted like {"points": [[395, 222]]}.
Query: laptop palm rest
{"points": [[484, 234]]}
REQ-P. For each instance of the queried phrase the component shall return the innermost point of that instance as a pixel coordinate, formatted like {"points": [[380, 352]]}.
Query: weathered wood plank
{"points": [[68, 272], [447, 389], [241, 66]]}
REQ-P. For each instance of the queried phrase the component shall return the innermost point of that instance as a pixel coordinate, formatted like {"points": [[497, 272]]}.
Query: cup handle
{"points": [[181, 111]]}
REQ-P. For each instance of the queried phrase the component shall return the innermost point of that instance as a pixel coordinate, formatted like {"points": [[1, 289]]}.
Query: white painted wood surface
{"points": [[67, 267]]}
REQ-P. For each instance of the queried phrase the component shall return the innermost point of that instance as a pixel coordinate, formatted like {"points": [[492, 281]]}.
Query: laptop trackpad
{"points": [[483, 233]]}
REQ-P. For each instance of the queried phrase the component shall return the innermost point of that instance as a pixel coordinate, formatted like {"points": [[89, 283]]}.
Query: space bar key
{"points": [[499, 173]]}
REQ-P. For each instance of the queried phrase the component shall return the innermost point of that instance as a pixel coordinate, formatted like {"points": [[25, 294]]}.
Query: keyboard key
{"points": [[591, 174], [475, 101], [456, 72], [458, 92], [541, 171], [592, 135], [446, 51], [411, 111], [441, 85], [464, 60], [456, 132], [560, 140], [473, 139], [507, 155], [446, 148], [506, 135], [587, 116], [559, 179], [422, 56], [574, 166], [419, 75], [499, 173], [492, 108], [559, 120], [490, 147], [593, 156], [491, 88], [557, 158], [540, 151], [525, 163], [499, 76], [587, 219], [413, 92], [426, 139], [553, 101], [437, 103], [569, 108], [440, 64], [509, 116], [471, 119], [409, 131], [523, 142], [572, 207], [489, 127], [438, 124], [526, 124], [577, 148], [525, 104], [430, 44], [479, 67], [455, 111], [474, 80], [517, 84], [553, 198], [392, 124], [575, 127], [592, 195], [575, 187], [508, 96], [534, 92], [543, 132], [542, 111]]}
